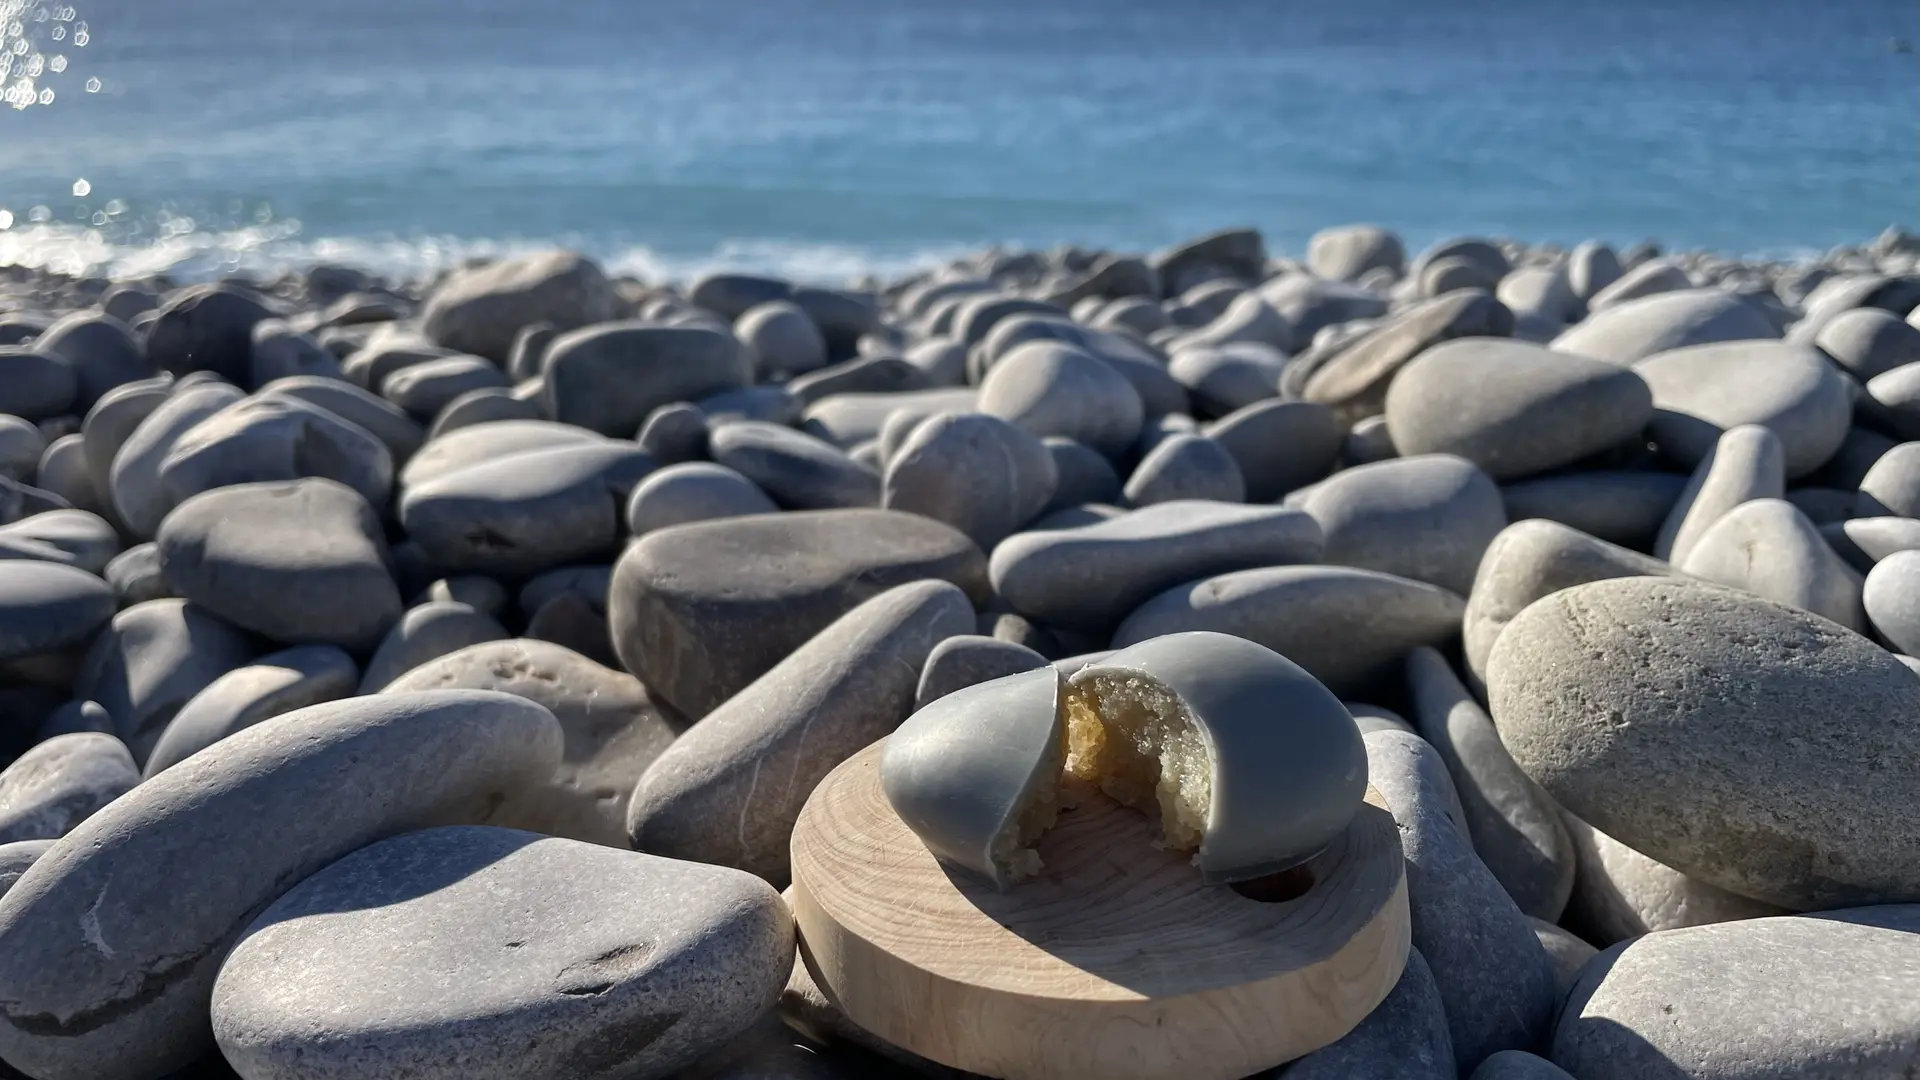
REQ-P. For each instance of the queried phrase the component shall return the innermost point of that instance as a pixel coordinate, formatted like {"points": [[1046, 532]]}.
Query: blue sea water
{"points": [[829, 137]]}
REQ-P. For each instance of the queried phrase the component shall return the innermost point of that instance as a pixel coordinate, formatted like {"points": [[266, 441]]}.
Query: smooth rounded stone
{"points": [[1892, 598], [111, 422], [134, 479], [848, 685], [63, 471], [1650, 278], [1221, 378], [1541, 292], [974, 317], [700, 611], [482, 310], [21, 445], [22, 325], [942, 360], [273, 685], [570, 620], [1367, 443], [52, 788], [1157, 429], [1185, 467], [675, 433], [1090, 577], [1245, 318], [45, 606], [847, 420], [612, 731], [122, 992], [657, 962], [1051, 388], [1513, 408], [781, 338], [425, 389], [1867, 342], [1378, 718], [978, 473], [1701, 391], [1453, 274], [1515, 827], [1694, 670], [483, 406], [1311, 304], [1236, 252], [730, 295], [279, 350], [135, 575], [387, 355], [1345, 252], [20, 501], [1530, 560], [16, 858], [1619, 893], [970, 659], [73, 538], [1082, 474], [426, 632], [1849, 465], [1891, 487], [1818, 997], [772, 404], [1349, 628], [378, 417], [797, 470], [1484, 255], [894, 433], [1892, 401], [607, 378], [206, 328], [1636, 329], [589, 582], [1863, 542], [1405, 1037], [1494, 978], [1279, 445], [525, 512], [1518, 1065], [1135, 313], [694, 491], [1370, 514], [299, 562], [1746, 463], [1625, 507], [1769, 548], [477, 591], [152, 658], [491, 441], [1354, 377], [269, 438], [1566, 952], [35, 383], [102, 351], [861, 375], [527, 358]]}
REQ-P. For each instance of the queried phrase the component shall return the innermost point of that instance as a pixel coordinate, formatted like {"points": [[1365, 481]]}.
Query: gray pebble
{"points": [[1650, 278], [1051, 388], [861, 375], [75, 716], [1769, 548], [969, 659], [17, 857], [772, 404], [1792, 390], [151, 659], [1405, 1037], [469, 446], [46, 606], [695, 491], [1083, 475], [607, 378], [481, 310], [482, 406], [135, 575], [1865, 541], [1625, 507], [1279, 445], [1867, 341], [378, 417], [1352, 378], [977, 473], [1368, 442], [674, 433], [1892, 401], [1619, 893], [21, 445], [781, 338], [102, 352], [1566, 952], [1186, 466], [385, 356], [799, 471], [52, 788], [1518, 1065], [206, 328], [280, 350], [1746, 463], [943, 360], [1312, 304], [35, 383], [527, 358], [134, 480], [1377, 718], [846, 420], [63, 471], [1222, 378], [1348, 251], [1429, 518], [275, 684], [1891, 487], [423, 633], [479, 592], [1892, 600], [275, 438], [110, 423], [1631, 331], [1237, 252]]}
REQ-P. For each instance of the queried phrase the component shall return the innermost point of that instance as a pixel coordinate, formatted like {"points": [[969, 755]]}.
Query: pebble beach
{"points": [[423, 677]]}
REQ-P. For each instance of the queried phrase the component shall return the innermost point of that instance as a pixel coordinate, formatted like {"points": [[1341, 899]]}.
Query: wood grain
{"points": [[1117, 962]]}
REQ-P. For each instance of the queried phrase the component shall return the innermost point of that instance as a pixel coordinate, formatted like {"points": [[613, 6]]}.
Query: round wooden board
{"points": [[1116, 962]]}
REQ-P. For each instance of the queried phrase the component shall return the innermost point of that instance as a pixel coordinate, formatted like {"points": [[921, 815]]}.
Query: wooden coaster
{"points": [[1116, 962]]}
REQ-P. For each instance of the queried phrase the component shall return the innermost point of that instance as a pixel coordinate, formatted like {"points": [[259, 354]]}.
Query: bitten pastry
{"points": [[976, 774]]}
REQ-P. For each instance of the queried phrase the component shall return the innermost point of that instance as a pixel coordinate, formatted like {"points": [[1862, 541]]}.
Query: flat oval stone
{"points": [[1051, 388], [1628, 332], [424, 389], [72, 538], [1347, 627], [1279, 445], [45, 606], [585, 962], [1221, 378], [122, 992], [693, 491], [62, 782], [481, 310], [280, 350], [423, 633], [270, 686], [849, 685], [113, 420], [1818, 997], [379, 418], [1792, 390], [1679, 717], [134, 480], [135, 575], [1867, 341], [1746, 463], [526, 512], [151, 659], [799, 471], [978, 473], [1621, 506], [1620, 893], [469, 446], [781, 338], [860, 375], [102, 351], [1429, 518], [847, 420], [275, 438], [482, 406], [1185, 466], [1769, 548], [1404, 1037], [1650, 278], [300, 562], [1513, 408], [608, 377], [35, 383], [1892, 598], [700, 611], [1352, 379], [1090, 577]]}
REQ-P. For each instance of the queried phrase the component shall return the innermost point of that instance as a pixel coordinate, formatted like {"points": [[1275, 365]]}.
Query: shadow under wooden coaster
{"points": [[1116, 962]]}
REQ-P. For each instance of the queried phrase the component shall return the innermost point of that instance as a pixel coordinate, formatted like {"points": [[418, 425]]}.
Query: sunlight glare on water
{"points": [[31, 32]]}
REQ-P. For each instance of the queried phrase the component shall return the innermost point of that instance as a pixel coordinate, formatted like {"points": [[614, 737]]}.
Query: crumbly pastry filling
{"points": [[1138, 744]]}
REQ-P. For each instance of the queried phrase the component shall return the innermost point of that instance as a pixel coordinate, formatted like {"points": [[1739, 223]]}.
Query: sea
{"points": [[827, 139]]}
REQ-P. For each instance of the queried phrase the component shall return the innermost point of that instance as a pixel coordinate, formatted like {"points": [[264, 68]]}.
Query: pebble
{"points": [[378, 417], [1746, 463], [968, 660], [1515, 827], [481, 406], [1893, 401], [978, 473], [35, 383], [102, 351], [1429, 517], [1693, 673], [300, 562], [386, 355], [487, 442], [1092, 576], [942, 360], [608, 377], [1348, 628], [861, 375], [700, 611], [1771, 549], [111, 422], [1220, 378], [1237, 252], [482, 310], [1185, 466], [585, 962], [1541, 292], [169, 875], [1631, 331], [62, 470], [1566, 952], [274, 684], [279, 350], [781, 338], [1620, 893], [694, 491], [134, 480], [425, 389], [846, 420], [1405, 1037], [16, 858], [849, 685], [1311, 304], [206, 328], [1353, 379], [73, 538], [1625, 507], [1512, 408], [21, 445], [1891, 488], [1518, 1065], [1050, 388], [1279, 446], [1792, 390], [1368, 442], [1348, 251], [1494, 979], [1892, 599], [797, 470], [1818, 997], [675, 433], [275, 438], [612, 731], [135, 575], [62, 782], [46, 607], [1867, 342], [151, 659], [1650, 278]]}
